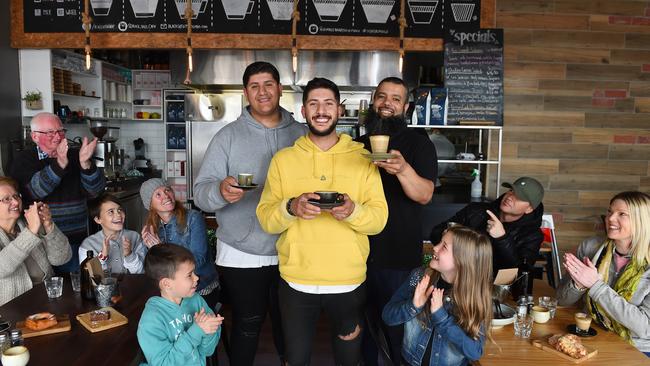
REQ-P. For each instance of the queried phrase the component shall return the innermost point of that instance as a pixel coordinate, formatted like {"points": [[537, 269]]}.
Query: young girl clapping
{"points": [[446, 309]]}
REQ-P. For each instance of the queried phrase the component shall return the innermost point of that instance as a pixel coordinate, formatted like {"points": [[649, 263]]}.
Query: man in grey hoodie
{"points": [[247, 259]]}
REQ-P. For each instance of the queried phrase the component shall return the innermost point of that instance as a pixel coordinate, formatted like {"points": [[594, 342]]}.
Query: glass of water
{"points": [[75, 279], [523, 326], [54, 287], [550, 303]]}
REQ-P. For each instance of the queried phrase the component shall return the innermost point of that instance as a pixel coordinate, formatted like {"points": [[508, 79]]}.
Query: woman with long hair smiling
{"points": [[613, 277]]}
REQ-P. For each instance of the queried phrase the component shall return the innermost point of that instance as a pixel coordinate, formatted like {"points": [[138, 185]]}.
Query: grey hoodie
{"points": [[243, 146]]}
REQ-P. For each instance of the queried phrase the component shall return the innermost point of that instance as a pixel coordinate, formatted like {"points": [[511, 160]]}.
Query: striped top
{"points": [[64, 190]]}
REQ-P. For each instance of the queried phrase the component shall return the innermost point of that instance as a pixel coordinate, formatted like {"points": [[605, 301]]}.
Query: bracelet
{"points": [[289, 206]]}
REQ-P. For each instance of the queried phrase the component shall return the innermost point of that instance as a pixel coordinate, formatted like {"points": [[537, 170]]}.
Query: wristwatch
{"points": [[289, 206]]}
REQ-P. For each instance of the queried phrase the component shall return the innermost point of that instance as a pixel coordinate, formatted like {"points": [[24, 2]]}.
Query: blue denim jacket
{"points": [[450, 346], [195, 239]]}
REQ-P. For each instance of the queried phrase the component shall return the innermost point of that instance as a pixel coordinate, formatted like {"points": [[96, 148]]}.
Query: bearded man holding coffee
{"points": [[324, 199], [408, 180]]}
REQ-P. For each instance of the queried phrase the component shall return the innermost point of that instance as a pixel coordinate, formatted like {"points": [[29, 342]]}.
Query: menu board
{"points": [[474, 75], [425, 18]]}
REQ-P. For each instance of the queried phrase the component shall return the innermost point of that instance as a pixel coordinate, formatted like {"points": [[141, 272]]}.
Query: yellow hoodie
{"points": [[323, 251]]}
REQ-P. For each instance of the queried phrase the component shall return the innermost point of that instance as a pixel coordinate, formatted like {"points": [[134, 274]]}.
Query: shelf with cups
{"points": [[478, 140]]}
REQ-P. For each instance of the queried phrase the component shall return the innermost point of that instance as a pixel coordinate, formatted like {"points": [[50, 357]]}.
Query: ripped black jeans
{"points": [[300, 313], [251, 292]]}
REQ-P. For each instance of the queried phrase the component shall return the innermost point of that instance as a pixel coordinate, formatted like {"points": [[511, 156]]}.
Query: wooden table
{"points": [[117, 346], [612, 350]]}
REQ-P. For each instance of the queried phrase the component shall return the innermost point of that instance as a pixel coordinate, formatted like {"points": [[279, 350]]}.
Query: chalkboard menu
{"points": [[425, 18], [474, 75]]}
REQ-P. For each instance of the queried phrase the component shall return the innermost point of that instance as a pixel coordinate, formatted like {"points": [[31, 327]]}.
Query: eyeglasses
{"points": [[7, 200], [52, 133]]}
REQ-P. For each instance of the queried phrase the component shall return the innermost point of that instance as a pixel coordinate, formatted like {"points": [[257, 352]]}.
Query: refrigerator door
{"points": [[207, 114]]}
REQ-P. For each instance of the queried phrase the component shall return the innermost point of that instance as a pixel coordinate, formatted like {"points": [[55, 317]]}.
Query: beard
{"points": [[391, 126], [316, 132]]}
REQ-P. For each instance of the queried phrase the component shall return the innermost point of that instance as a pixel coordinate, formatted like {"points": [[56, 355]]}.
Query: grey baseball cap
{"points": [[527, 189]]}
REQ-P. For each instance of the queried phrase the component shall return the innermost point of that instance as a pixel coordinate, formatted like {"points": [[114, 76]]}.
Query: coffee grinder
{"points": [[106, 153]]}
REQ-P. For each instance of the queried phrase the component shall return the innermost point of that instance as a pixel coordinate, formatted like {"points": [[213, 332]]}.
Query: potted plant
{"points": [[33, 100]]}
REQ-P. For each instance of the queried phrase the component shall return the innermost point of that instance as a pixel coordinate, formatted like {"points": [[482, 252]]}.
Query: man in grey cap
{"points": [[512, 222]]}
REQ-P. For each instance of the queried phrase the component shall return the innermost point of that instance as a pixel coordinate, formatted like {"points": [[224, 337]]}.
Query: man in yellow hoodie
{"points": [[322, 249]]}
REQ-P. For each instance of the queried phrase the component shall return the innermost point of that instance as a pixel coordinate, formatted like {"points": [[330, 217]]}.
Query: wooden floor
{"points": [[266, 353]]}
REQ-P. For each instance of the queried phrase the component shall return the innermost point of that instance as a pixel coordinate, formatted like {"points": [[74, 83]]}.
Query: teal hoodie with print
{"points": [[168, 335]]}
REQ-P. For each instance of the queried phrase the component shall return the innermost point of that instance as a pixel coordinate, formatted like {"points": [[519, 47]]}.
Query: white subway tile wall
{"points": [[151, 132]]}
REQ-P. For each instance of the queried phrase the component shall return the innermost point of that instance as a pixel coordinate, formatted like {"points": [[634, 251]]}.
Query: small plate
{"points": [[379, 156], [574, 330], [508, 313], [326, 206], [245, 188]]}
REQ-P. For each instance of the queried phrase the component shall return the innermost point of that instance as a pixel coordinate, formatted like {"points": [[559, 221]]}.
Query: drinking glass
{"points": [[523, 326], [54, 287], [104, 292], [75, 279], [550, 303]]}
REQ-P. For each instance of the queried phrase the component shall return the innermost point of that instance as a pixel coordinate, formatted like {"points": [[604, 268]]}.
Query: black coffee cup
{"points": [[329, 196]]}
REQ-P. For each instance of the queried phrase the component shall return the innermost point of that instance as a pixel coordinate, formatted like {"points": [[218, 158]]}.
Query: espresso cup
{"points": [[379, 143], [583, 322], [541, 314], [15, 356], [245, 179], [328, 196]]}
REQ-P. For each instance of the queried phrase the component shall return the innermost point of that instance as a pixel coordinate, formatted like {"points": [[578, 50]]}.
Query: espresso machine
{"points": [[107, 156]]}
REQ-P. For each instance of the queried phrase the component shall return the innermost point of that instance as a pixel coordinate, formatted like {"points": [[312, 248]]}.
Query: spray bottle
{"points": [[477, 186]]}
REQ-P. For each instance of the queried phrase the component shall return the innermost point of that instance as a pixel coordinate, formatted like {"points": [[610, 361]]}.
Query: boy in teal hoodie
{"points": [[177, 328]]}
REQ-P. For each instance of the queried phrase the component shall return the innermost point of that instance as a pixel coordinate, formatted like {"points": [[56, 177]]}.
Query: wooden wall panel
{"points": [[629, 152], [571, 103], [638, 41], [556, 54], [525, 6], [561, 198], [562, 151], [538, 134], [543, 118], [542, 21], [606, 72], [630, 57], [517, 37], [530, 166], [583, 87], [577, 39], [642, 105], [621, 24], [596, 198], [525, 70], [580, 182], [598, 167], [520, 86], [618, 120], [523, 102], [640, 89], [618, 7]]}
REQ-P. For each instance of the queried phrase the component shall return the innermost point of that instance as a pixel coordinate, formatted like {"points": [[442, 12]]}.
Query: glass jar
{"points": [[17, 338]]}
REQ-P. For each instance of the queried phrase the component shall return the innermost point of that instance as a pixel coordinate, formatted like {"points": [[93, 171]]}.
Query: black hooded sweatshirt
{"points": [[520, 243]]}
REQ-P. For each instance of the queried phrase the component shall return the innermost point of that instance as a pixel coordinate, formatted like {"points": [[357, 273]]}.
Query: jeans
{"points": [[300, 313], [382, 284], [251, 292]]}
